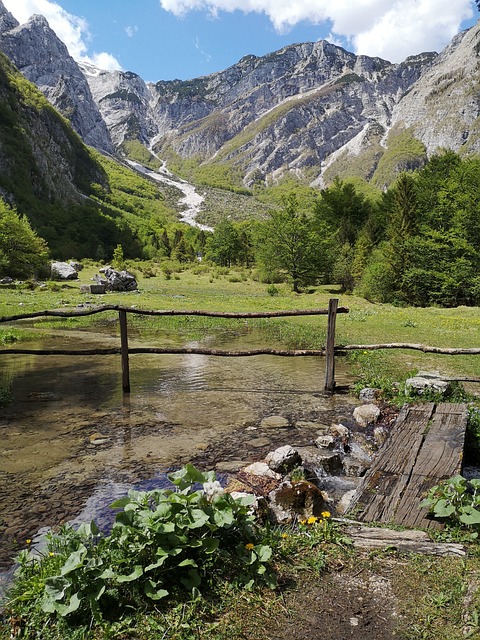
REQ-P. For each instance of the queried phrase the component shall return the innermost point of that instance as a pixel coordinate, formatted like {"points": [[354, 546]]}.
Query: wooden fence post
{"points": [[122, 316], [330, 346]]}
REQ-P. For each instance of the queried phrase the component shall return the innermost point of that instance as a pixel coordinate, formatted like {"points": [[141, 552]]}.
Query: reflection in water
{"points": [[70, 433]]}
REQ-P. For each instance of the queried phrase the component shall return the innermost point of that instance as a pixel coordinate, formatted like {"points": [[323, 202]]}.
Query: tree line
{"points": [[415, 243]]}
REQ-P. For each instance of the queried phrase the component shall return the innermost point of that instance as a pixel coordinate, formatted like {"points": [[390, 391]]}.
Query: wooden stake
{"points": [[122, 316], [330, 346]]}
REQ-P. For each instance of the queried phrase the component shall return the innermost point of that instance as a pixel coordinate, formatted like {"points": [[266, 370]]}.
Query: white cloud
{"points": [[72, 30], [131, 31], [391, 29]]}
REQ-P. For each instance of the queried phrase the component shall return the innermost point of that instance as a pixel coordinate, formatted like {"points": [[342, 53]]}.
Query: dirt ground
{"points": [[340, 606]]}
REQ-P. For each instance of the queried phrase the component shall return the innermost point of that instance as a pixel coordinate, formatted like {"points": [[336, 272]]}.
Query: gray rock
{"points": [[343, 505], [274, 422], [380, 435], [353, 466], [230, 466], [366, 414], [325, 442], [428, 381], [263, 470], [368, 395], [319, 428], [6, 280], [258, 443], [93, 288], [63, 271], [117, 280], [283, 459], [320, 462], [78, 266]]}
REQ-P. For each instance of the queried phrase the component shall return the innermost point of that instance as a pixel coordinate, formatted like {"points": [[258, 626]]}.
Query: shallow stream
{"points": [[71, 441]]}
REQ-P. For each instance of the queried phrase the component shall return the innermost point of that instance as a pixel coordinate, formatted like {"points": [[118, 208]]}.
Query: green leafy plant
{"points": [[456, 501], [163, 543]]}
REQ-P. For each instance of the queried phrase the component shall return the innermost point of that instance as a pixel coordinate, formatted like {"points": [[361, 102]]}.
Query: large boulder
{"points": [[117, 280], [63, 271]]}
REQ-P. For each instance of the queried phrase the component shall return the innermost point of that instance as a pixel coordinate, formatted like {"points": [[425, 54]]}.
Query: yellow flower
{"points": [[249, 546], [29, 541], [312, 520], [51, 554], [303, 521], [284, 535], [326, 514]]}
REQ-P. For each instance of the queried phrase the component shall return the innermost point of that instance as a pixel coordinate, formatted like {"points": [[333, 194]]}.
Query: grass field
{"points": [[427, 598], [221, 289]]}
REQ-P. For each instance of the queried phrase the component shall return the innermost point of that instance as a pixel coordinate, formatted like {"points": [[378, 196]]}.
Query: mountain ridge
{"points": [[312, 111]]}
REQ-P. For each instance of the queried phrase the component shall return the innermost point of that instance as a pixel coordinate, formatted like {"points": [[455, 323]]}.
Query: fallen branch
{"points": [[164, 351], [412, 541]]}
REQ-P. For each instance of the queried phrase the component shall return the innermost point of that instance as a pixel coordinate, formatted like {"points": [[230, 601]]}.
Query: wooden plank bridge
{"points": [[425, 447]]}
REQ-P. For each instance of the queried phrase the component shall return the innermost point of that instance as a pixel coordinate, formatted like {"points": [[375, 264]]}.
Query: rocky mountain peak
{"points": [[7, 21], [43, 59]]}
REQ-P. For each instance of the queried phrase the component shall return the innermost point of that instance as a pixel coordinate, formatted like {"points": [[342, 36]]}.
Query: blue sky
{"points": [[167, 39]]}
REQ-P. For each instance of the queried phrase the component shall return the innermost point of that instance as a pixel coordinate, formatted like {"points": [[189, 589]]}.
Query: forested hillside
{"points": [[80, 202]]}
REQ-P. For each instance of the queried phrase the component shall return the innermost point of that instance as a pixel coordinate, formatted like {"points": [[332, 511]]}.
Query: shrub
{"points": [[163, 542]]}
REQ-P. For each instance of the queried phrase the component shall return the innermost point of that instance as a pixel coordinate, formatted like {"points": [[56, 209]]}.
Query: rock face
{"points": [[311, 110], [43, 59], [443, 108]]}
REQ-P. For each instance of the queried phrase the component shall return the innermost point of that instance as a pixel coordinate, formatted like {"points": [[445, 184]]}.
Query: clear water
{"points": [[71, 441]]}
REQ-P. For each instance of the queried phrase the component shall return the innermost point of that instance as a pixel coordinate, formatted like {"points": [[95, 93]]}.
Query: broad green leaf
{"points": [[443, 509], [264, 553], [156, 565], [74, 560], [55, 587], [152, 592], [223, 518], [209, 545], [192, 580], [136, 573], [470, 516], [187, 563], [121, 503], [199, 518], [66, 609]]}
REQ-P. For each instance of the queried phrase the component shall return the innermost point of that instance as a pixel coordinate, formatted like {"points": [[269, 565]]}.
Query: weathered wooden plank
{"points": [[439, 458], [382, 486], [425, 447]]}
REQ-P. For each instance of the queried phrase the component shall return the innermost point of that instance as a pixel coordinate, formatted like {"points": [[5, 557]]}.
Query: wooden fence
{"points": [[329, 351]]}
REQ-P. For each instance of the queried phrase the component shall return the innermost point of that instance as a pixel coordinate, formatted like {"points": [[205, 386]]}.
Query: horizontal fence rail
{"points": [[124, 350], [329, 351]]}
